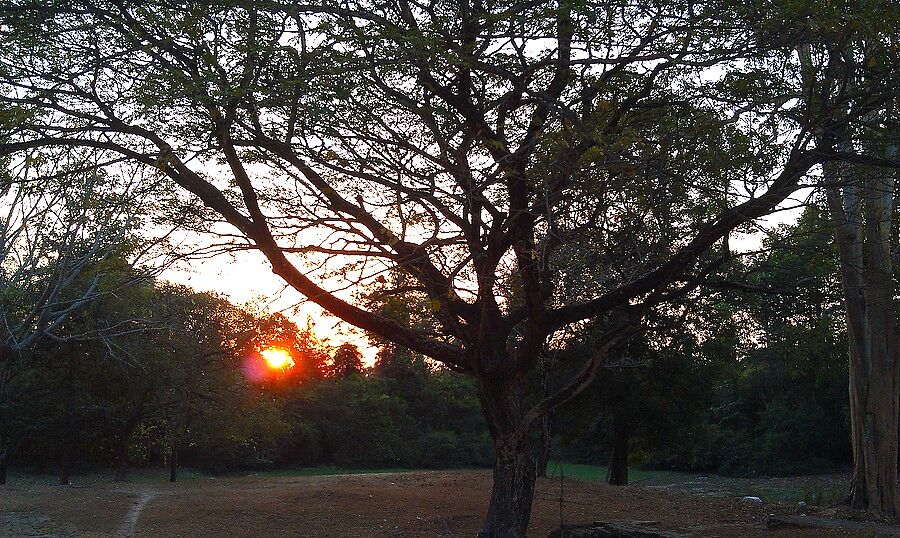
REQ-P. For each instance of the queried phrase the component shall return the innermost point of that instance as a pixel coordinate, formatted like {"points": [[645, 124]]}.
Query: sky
{"points": [[247, 277]]}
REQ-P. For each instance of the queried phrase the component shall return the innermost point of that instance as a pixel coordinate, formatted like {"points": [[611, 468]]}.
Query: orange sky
{"points": [[247, 277]]}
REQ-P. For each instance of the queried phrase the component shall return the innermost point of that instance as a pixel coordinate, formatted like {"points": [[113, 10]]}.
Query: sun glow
{"points": [[277, 358]]}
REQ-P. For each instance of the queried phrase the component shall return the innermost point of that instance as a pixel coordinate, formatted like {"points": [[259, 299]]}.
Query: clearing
{"points": [[416, 503]]}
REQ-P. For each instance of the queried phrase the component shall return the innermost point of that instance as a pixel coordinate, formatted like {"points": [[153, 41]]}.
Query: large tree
{"points": [[863, 213], [471, 146], [859, 42]]}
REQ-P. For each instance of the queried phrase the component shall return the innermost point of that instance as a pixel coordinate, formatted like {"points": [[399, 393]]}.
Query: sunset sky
{"points": [[247, 277]]}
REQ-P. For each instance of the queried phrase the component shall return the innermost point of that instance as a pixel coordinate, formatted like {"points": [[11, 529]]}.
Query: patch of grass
{"points": [[91, 476], [151, 475], [580, 471], [814, 493]]}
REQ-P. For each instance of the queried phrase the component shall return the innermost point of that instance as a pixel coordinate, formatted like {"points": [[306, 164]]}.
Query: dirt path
{"points": [[129, 524]]}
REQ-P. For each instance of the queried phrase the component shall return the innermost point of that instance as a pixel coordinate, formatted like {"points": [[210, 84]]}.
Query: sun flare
{"points": [[277, 358]]}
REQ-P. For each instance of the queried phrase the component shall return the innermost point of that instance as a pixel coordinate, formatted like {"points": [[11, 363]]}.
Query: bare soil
{"points": [[435, 503]]}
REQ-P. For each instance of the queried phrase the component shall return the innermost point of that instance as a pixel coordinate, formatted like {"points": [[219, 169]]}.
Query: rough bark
{"points": [[618, 465], [862, 214], [6, 355], [543, 454], [512, 492], [543, 449]]}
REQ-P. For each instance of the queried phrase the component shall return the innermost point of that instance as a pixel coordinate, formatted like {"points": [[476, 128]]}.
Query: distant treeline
{"points": [[165, 375], [754, 381]]}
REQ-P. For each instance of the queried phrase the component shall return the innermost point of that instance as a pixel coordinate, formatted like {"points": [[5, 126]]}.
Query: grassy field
{"points": [[314, 502], [153, 475], [813, 490], [579, 471]]}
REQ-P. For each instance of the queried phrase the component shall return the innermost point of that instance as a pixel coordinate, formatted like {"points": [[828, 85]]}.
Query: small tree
{"points": [[347, 361]]}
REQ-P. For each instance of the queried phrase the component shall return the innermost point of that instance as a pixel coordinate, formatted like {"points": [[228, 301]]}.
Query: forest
{"points": [[355, 249], [187, 385]]}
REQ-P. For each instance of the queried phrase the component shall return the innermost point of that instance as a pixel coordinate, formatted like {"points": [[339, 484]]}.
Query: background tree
{"points": [[860, 192], [61, 222], [347, 361]]}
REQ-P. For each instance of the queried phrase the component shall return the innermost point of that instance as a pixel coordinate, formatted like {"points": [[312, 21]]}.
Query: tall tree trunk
{"points": [[65, 464], [543, 454], [862, 216], [131, 424], [173, 463], [122, 458], [512, 492], [6, 356], [618, 464]]}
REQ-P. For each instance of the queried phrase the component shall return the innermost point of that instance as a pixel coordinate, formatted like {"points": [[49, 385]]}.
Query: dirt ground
{"points": [[437, 503]]}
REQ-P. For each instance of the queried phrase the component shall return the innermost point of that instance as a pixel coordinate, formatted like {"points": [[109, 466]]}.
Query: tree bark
{"points": [[543, 455], [512, 492], [131, 424], [862, 216], [618, 465], [6, 356], [173, 464]]}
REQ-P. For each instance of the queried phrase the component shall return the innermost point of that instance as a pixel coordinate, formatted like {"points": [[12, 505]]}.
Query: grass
{"points": [[81, 477], [814, 491], [641, 477]]}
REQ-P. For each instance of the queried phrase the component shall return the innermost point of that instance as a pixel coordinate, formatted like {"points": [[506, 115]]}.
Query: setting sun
{"points": [[277, 358]]}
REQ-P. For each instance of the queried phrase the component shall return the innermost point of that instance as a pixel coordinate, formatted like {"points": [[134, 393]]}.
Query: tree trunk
{"points": [[512, 492], [543, 455], [862, 216], [122, 459], [511, 495], [6, 356], [127, 431], [65, 464], [873, 412], [618, 465], [173, 464]]}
